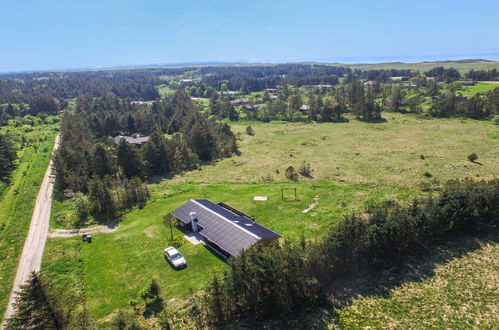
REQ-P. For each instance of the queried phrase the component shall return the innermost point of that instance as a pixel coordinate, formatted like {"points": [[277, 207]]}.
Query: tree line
{"points": [[286, 279]]}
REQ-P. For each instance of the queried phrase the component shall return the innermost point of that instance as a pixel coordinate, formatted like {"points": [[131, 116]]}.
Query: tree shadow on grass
{"points": [[153, 307], [381, 282]]}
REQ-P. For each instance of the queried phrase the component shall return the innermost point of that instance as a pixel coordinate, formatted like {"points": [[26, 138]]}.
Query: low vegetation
{"points": [[33, 144]]}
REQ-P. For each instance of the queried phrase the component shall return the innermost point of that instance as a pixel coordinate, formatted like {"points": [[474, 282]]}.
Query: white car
{"points": [[175, 258]]}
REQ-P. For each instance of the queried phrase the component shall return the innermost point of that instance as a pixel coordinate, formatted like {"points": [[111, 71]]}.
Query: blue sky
{"points": [[56, 34]]}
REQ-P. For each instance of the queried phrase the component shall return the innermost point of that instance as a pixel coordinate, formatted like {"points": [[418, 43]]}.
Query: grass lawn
{"points": [[462, 294], [17, 200], [481, 87], [354, 164], [116, 266]]}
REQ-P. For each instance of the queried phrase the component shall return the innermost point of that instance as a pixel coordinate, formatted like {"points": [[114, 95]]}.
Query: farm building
{"points": [[138, 140], [223, 228], [467, 82]]}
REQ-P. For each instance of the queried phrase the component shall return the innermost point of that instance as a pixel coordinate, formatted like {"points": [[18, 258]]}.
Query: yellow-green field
{"points": [[358, 152], [461, 294], [425, 66]]}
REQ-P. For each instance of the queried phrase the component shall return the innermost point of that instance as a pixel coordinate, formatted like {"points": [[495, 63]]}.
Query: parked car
{"points": [[175, 258]]}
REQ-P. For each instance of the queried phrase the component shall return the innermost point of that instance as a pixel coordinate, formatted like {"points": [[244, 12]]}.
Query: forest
{"points": [[90, 162]]}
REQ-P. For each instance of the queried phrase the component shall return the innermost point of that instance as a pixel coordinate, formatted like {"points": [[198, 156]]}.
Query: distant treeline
{"points": [[285, 280], [89, 161]]}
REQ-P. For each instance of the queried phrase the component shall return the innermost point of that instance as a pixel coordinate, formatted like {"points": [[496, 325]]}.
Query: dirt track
{"points": [[31, 257]]}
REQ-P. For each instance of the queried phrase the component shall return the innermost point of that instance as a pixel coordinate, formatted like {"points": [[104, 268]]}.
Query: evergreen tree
{"points": [[8, 156], [34, 308], [129, 159]]}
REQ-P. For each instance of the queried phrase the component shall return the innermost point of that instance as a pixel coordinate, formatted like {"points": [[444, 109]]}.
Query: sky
{"points": [[67, 34]]}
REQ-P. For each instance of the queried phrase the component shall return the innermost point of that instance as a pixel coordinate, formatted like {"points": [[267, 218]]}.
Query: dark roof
{"points": [[230, 231], [130, 139]]}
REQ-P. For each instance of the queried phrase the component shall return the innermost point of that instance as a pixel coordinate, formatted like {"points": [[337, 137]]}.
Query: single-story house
{"points": [[138, 103], [399, 78], [223, 228], [467, 82], [271, 90], [239, 101], [253, 106], [184, 82], [138, 140], [304, 108]]}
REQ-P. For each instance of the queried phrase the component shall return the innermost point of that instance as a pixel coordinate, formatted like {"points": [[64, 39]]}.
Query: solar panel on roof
{"points": [[228, 230]]}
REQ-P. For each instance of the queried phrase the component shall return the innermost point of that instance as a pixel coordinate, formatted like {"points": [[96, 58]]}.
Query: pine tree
{"points": [[129, 159], [34, 308], [7, 157]]}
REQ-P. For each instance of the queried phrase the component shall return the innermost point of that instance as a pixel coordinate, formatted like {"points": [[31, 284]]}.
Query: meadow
{"points": [[461, 66], [18, 198], [354, 164], [460, 293]]}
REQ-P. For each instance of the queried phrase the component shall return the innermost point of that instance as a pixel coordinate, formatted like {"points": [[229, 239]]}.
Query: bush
{"points": [[305, 169], [427, 174], [250, 131], [291, 174], [472, 157], [495, 120]]}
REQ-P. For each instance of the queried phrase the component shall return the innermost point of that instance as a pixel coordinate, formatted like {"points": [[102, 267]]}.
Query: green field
{"points": [[17, 200], [462, 66], [116, 266], [354, 164], [480, 87]]}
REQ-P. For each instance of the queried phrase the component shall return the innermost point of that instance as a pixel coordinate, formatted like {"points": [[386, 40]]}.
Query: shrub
{"points": [[495, 120], [472, 157], [305, 169], [427, 174], [250, 131], [291, 174]]}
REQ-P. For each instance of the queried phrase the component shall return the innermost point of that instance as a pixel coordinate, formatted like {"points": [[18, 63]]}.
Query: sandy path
{"points": [[31, 257], [106, 229]]}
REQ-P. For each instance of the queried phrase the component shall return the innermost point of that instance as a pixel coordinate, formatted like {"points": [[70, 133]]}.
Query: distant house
{"points": [[138, 140], [467, 82], [322, 86], [430, 78], [304, 108], [399, 78], [138, 103], [370, 82], [185, 82], [252, 106], [239, 101], [222, 227], [271, 90], [273, 97], [227, 92]]}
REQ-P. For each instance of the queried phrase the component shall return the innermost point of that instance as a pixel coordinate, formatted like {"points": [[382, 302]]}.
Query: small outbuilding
{"points": [[138, 139], [224, 229]]}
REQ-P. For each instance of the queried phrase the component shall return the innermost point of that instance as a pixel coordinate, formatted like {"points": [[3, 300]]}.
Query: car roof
{"points": [[171, 250]]}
